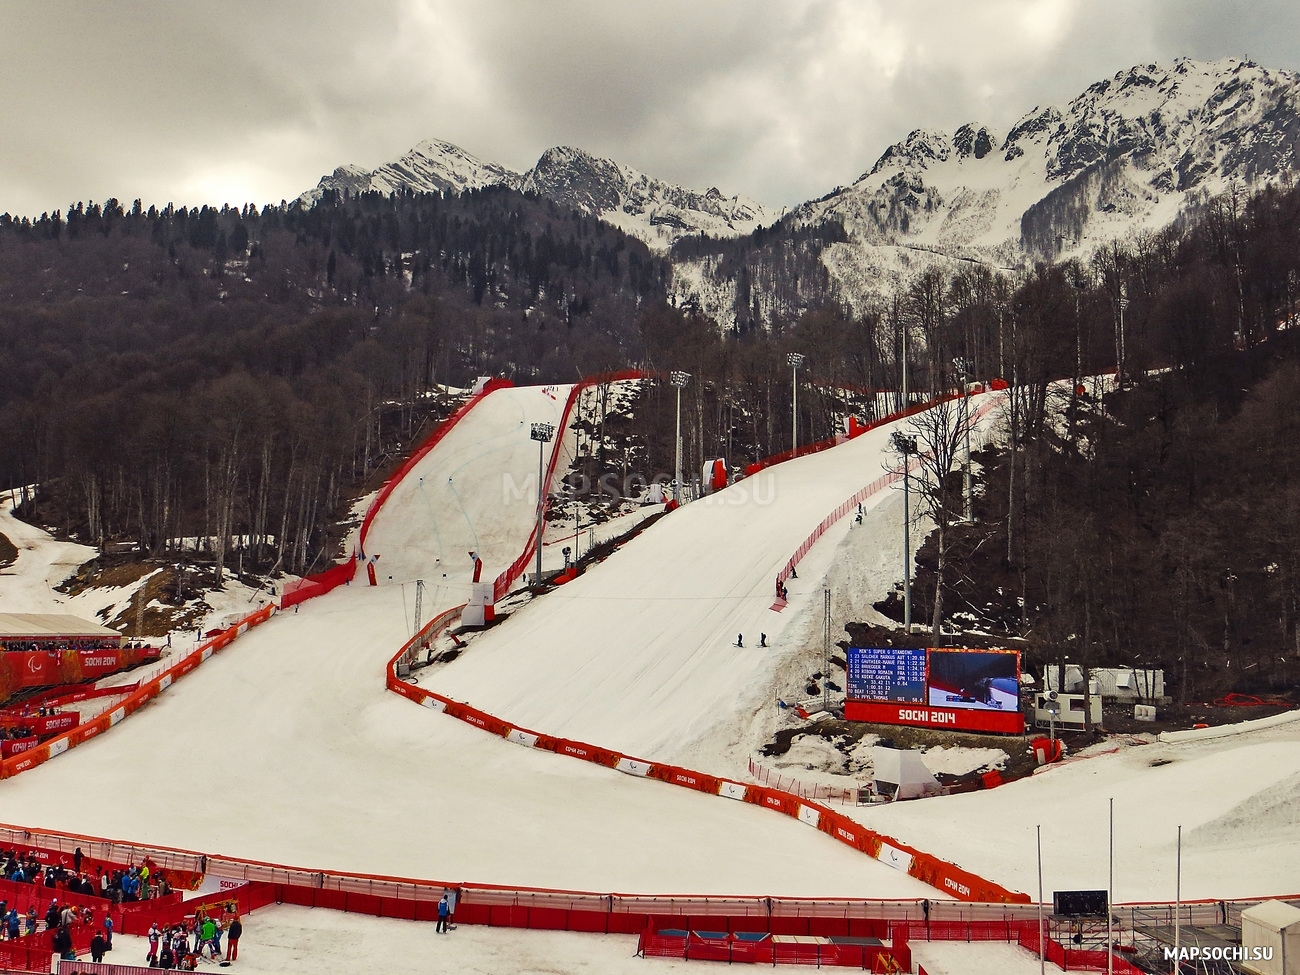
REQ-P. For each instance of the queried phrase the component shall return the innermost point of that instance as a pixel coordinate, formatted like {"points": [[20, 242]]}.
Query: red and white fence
{"points": [[858, 497], [816, 791]]}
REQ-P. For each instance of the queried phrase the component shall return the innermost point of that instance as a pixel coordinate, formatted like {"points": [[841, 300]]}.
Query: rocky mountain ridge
{"points": [[655, 211], [1129, 154]]}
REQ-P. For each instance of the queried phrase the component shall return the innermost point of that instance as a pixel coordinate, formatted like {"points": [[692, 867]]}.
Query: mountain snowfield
{"points": [[654, 211], [1128, 155]]}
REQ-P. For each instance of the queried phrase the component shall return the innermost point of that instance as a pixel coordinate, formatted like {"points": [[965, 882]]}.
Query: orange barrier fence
{"points": [[570, 910], [59, 696], [948, 877], [866, 952], [136, 700], [945, 876]]}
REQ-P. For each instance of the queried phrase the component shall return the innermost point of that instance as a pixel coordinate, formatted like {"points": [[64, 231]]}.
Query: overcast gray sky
{"points": [[253, 100]]}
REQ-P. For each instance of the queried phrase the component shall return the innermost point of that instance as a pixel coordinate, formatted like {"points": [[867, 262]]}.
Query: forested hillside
{"points": [[245, 372], [207, 372]]}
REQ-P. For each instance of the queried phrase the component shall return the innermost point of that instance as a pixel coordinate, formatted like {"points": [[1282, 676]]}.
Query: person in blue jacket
{"points": [[444, 913]]}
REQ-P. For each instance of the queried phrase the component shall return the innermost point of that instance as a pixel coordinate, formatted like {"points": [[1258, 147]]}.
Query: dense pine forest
{"points": [[246, 372]]}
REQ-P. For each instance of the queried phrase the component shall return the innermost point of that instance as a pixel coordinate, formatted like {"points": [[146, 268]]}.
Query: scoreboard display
{"points": [[887, 674], [959, 690]]}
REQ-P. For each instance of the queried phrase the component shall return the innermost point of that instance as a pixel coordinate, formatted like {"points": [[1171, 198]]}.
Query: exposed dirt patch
{"points": [[844, 735], [8, 552], [104, 572], [170, 599]]}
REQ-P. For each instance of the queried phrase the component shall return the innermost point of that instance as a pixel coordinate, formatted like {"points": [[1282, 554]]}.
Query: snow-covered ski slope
{"points": [[640, 653], [286, 746], [1237, 800], [476, 491]]}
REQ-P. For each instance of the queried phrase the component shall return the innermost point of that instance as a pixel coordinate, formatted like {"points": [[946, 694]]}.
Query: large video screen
{"points": [[886, 674], [985, 680]]}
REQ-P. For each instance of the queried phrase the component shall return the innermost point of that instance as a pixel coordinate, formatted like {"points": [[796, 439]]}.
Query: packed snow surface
{"points": [[291, 749], [641, 654], [288, 940], [293, 752], [1237, 800]]}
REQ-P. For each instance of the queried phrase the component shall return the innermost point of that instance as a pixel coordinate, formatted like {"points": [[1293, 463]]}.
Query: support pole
{"points": [[541, 507], [1110, 898], [679, 380], [907, 550], [795, 360], [677, 481], [1178, 900], [1042, 938]]}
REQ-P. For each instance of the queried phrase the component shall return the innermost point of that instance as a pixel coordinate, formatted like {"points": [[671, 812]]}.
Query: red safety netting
{"points": [[103, 968], [422, 451], [858, 497], [318, 585], [309, 587], [762, 948], [858, 430]]}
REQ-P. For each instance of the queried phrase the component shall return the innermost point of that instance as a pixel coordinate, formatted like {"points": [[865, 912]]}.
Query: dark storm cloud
{"points": [[780, 99]]}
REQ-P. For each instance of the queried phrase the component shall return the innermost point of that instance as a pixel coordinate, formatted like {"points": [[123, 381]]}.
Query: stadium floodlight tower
{"points": [[906, 446], [796, 359], [679, 380], [964, 372], [542, 433]]}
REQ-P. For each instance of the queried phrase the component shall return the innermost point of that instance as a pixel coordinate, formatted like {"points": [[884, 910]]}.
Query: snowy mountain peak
{"points": [[972, 141], [655, 211], [921, 148], [431, 167], [1153, 111], [576, 179], [1130, 153]]}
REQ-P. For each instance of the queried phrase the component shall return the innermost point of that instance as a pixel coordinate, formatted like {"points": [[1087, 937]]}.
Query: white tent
{"points": [[901, 774], [1275, 925]]}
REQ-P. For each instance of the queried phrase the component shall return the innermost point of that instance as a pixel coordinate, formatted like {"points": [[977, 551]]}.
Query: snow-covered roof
{"points": [[1274, 915], [46, 626]]}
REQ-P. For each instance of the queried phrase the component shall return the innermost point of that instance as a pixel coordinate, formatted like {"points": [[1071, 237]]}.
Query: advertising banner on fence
{"points": [[92, 664], [34, 668], [12, 746], [952, 719]]}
